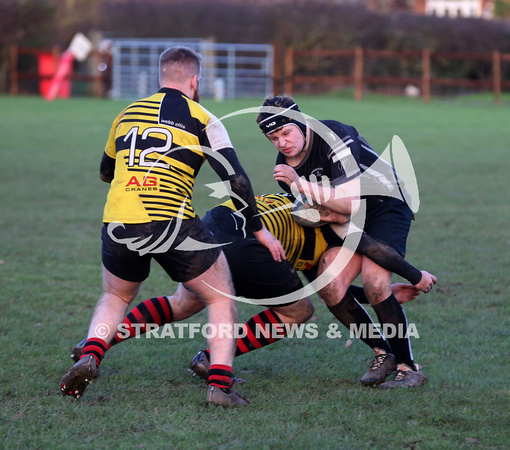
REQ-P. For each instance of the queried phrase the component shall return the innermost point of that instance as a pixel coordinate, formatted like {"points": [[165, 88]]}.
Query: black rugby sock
{"points": [[155, 310], [359, 294], [351, 314], [389, 311]]}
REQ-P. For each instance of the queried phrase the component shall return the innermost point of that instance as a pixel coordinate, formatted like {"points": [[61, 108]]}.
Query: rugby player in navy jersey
{"points": [[322, 160]]}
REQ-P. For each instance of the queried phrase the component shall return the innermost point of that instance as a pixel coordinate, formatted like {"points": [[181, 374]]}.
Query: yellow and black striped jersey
{"points": [[158, 145], [303, 245]]}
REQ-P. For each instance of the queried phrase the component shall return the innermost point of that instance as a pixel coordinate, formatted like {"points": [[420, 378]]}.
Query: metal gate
{"points": [[228, 70]]}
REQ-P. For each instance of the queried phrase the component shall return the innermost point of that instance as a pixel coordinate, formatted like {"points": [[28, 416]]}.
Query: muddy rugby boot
{"points": [[382, 366], [224, 397], [406, 377], [199, 365], [78, 378]]}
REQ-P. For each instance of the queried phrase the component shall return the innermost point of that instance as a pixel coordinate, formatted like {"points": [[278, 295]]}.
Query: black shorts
{"points": [[255, 274], [129, 252], [389, 221]]}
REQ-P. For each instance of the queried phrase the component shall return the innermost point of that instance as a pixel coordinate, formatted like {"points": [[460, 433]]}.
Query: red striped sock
{"points": [[96, 347], [154, 311], [261, 330], [220, 375]]}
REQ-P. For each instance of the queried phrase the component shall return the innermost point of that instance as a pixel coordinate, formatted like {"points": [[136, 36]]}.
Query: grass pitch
{"points": [[304, 392]]}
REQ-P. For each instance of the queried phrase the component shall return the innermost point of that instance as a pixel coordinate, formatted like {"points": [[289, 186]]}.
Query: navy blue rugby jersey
{"points": [[337, 153]]}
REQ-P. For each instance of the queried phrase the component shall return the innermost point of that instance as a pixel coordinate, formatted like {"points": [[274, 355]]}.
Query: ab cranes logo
{"points": [[138, 184]]}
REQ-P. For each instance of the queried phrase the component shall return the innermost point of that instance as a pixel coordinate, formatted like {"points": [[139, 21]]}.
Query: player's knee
{"points": [[326, 293], [376, 290], [298, 312], [307, 310], [333, 292], [326, 259], [119, 292]]}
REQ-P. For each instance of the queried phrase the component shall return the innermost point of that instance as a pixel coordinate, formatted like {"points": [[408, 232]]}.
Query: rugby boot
{"points": [[224, 397], [382, 366], [81, 374], [199, 365], [406, 377]]}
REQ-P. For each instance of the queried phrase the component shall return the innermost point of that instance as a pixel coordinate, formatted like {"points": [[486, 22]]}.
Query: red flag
{"points": [[63, 70]]}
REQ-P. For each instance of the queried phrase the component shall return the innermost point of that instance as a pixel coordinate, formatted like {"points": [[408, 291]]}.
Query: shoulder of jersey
{"points": [[201, 113]]}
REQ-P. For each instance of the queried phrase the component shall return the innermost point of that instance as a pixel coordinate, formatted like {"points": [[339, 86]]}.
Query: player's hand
{"points": [[265, 237], [285, 173], [427, 282], [404, 292]]}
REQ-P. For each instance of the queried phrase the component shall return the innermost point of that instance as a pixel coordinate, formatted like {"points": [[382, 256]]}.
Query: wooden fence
{"points": [[357, 64], [425, 80]]}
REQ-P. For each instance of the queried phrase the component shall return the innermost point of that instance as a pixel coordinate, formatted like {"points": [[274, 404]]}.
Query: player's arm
{"points": [[342, 198], [403, 293], [231, 171], [383, 255], [388, 258], [107, 166]]}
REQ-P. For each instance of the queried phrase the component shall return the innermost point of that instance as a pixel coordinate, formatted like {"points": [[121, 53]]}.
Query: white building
{"points": [[460, 8]]}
